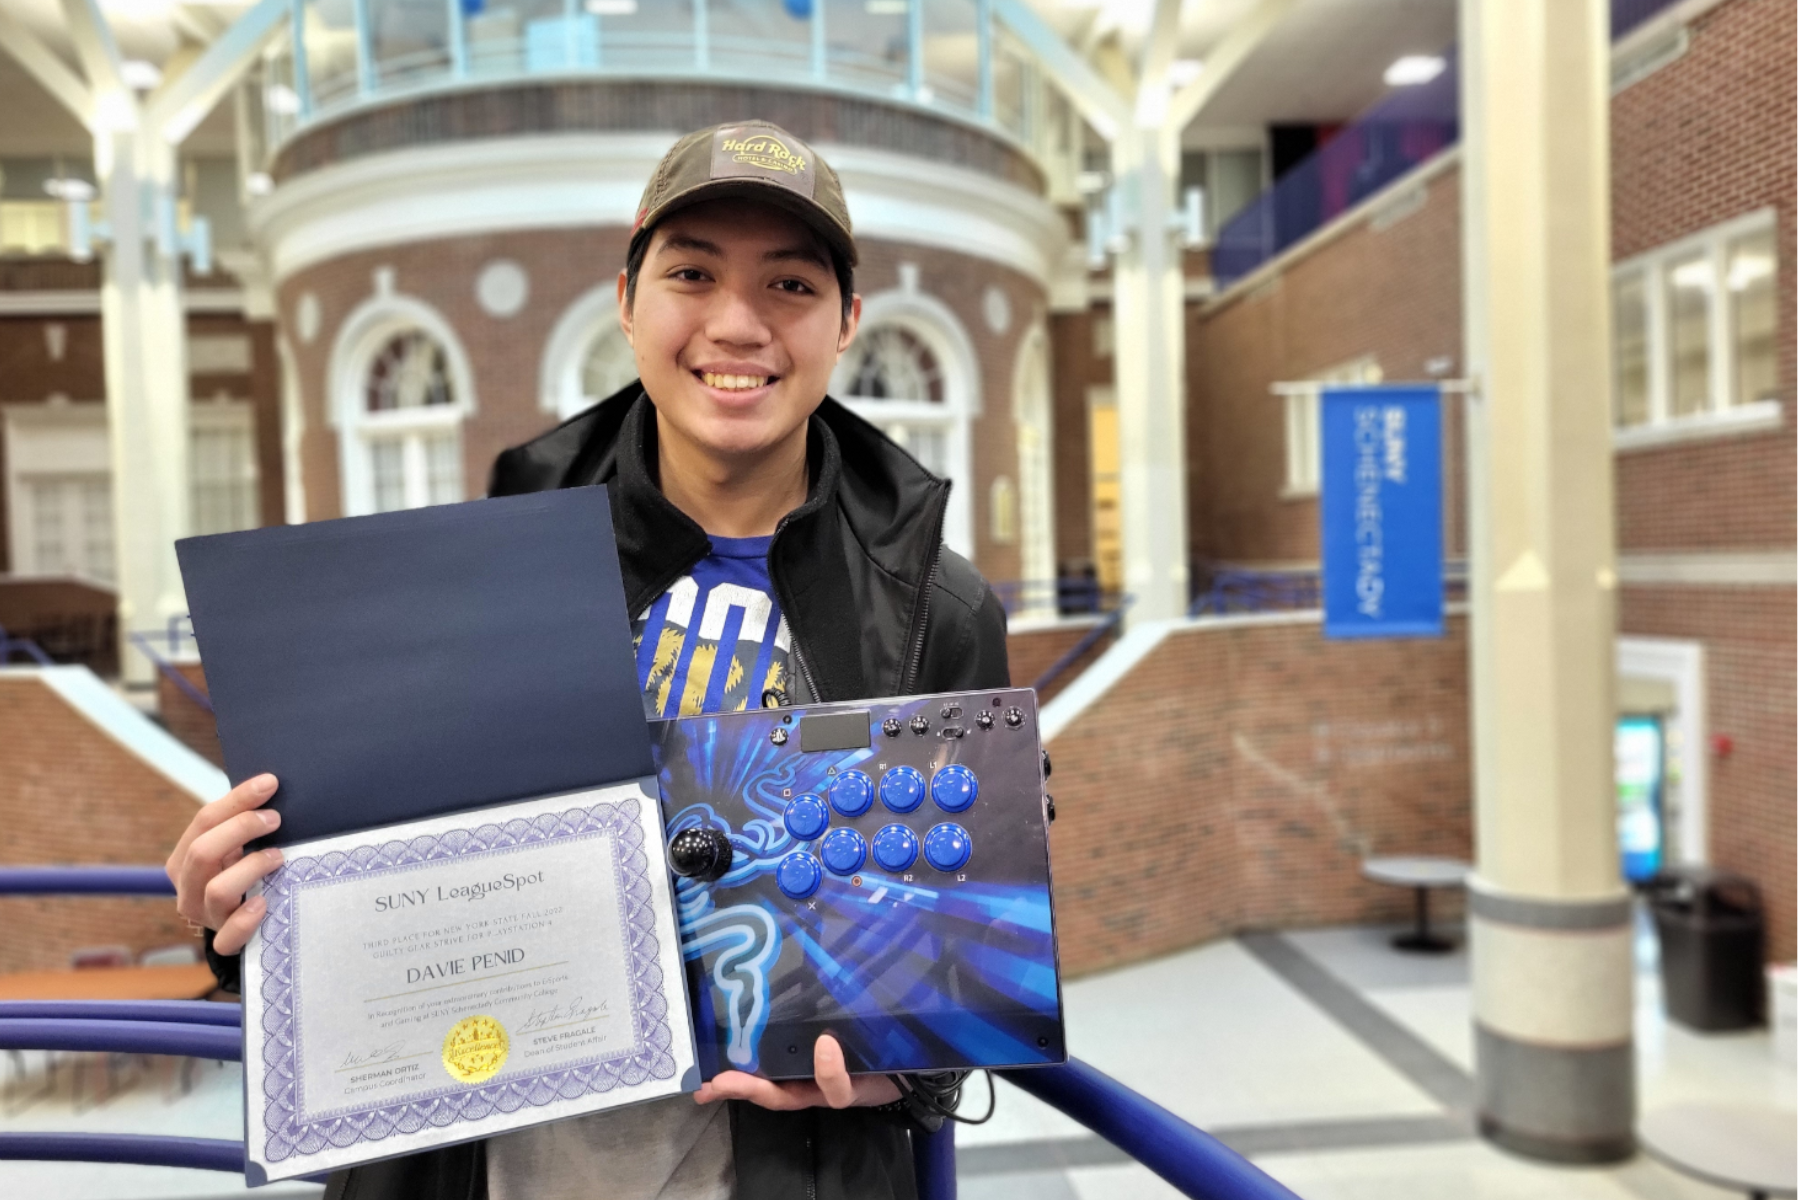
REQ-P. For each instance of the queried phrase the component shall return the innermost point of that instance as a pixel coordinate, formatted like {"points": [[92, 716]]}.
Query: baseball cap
{"points": [[755, 160]]}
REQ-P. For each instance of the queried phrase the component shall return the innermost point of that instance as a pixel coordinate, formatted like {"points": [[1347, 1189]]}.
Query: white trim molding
{"points": [[565, 352], [76, 302], [1760, 416], [1748, 568], [143, 738], [582, 181]]}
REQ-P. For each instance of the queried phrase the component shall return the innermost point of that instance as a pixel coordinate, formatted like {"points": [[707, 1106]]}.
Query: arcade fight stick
{"points": [[878, 871]]}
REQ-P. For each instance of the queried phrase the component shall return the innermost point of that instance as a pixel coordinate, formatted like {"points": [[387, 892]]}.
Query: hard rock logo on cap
{"points": [[761, 150]]}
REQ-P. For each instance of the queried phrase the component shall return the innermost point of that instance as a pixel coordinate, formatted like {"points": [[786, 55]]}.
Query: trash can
{"points": [[1710, 926]]}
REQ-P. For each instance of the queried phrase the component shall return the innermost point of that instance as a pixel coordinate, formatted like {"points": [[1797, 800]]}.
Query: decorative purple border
{"points": [[289, 1133]]}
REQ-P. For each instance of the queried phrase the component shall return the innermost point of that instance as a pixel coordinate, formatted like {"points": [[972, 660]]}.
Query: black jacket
{"points": [[875, 606]]}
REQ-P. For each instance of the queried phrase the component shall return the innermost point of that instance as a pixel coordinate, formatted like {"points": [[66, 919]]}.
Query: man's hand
{"points": [[832, 1085], [210, 870]]}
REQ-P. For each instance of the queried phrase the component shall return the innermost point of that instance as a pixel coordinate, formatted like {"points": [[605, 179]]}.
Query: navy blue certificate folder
{"points": [[409, 664]]}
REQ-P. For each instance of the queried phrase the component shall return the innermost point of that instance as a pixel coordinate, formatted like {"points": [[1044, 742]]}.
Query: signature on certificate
{"points": [[366, 1058], [564, 1014]]}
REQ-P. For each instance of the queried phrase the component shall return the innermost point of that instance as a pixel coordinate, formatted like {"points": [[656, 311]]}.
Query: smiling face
{"points": [[736, 324]]}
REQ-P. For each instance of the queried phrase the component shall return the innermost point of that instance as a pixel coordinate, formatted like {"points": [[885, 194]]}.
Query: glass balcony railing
{"points": [[948, 57]]}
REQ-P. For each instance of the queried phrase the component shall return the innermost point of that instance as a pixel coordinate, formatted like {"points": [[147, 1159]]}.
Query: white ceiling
{"points": [[1322, 63]]}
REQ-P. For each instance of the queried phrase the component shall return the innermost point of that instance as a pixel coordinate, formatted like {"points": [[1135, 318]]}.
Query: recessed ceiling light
{"points": [[887, 8], [1184, 71], [259, 184], [140, 76], [612, 8], [1411, 69]]}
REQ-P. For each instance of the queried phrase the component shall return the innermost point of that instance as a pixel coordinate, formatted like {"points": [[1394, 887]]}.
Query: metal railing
{"points": [[1232, 590], [1194, 1163], [10, 646], [180, 631], [1068, 596]]}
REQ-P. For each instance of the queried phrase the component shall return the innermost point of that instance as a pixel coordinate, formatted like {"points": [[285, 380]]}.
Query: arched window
{"points": [[586, 358], [910, 372], [409, 425], [607, 365], [401, 389]]}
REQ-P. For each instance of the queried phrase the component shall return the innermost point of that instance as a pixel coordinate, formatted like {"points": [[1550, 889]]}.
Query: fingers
{"points": [[830, 1074], [237, 928], [226, 891], [251, 793], [207, 855], [766, 1093]]}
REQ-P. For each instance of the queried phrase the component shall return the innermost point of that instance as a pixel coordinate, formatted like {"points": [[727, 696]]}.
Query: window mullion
{"points": [[415, 471], [1656, 294], [1718, 332]]}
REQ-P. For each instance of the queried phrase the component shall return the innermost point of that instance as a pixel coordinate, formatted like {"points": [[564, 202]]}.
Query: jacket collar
{"points": [[866, 499]]}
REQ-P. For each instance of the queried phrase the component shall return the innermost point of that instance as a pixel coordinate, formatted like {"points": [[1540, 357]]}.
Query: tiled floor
{"points": [[1322, 1054]]}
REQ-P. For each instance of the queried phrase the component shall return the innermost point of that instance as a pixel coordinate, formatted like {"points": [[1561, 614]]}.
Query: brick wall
{"points": [[182, 716], [1394, 293], [1074, 368], [1031, 652], [1237, 777], [1705, 139], [70, 794], [505, 353]]}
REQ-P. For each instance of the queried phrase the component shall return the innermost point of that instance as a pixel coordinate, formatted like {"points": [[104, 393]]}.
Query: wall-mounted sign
{"points": [[1381, 511]]}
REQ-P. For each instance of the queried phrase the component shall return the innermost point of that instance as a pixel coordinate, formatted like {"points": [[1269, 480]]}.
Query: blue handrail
{"points": [[10, 646], [183, 1040], [1074, 653], [175, 1012], [85, 881], [1197, 1164], [204, 1154], [173, 639]]}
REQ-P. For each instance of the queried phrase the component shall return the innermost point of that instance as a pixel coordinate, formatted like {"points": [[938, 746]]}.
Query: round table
{"points": [[1421, 873], [1739, 1146]]}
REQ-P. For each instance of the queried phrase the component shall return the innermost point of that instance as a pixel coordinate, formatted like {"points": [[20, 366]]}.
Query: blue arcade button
{"points": [[895, 847], [806, 817], [902, 789], [954, 787], [852, 793], [798, 875], [947, 846], [843, 851]]}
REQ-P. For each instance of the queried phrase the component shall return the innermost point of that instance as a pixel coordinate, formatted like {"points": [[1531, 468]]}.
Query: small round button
{"points": [[947, 846], [1015, 717], [852, 793], [798, 875], [985, 719], [954, 788], [920, 725], [902, 789], [891, 727], [806, 817], [895, 847], [843, 851]]}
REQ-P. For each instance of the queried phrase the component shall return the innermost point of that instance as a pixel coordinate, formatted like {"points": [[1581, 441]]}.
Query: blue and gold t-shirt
{"points": [[716, 640]]}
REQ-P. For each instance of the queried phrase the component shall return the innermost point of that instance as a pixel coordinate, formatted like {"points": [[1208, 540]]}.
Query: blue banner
{"points": [[1381, 511]]}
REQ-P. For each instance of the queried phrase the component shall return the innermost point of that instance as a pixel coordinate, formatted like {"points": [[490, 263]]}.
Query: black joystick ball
{"points": [[700, 854]]}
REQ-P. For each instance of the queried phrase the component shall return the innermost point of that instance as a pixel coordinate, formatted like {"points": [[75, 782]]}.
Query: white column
{"points": [[145, 341], [1549, 915], [1149, 370]]}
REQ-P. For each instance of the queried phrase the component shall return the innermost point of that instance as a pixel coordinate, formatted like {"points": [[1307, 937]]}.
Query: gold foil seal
{"points": [[475, 1049]]}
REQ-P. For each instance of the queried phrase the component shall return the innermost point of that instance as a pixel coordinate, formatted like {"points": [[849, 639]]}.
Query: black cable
{"points": [[940, 1093]]}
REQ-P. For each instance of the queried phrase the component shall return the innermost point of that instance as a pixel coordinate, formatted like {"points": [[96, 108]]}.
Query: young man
{"points": [[775, 549]]}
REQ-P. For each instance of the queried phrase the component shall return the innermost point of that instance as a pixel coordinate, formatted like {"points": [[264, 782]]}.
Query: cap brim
{"points": [[816, 217]]}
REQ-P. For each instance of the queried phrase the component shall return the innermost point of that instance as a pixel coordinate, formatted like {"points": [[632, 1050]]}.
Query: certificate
{"points": [[457, 977]]}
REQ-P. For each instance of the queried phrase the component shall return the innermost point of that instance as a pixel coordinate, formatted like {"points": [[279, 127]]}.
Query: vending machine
{"points": [[1638, 758]]}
